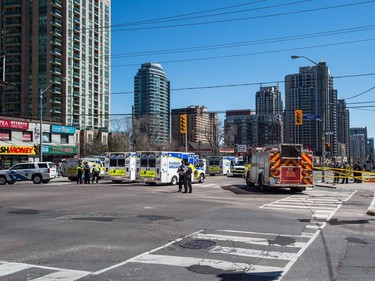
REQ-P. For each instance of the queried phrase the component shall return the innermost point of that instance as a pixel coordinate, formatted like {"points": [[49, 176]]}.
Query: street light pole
{"points": [[41, 117], [324, 92]]}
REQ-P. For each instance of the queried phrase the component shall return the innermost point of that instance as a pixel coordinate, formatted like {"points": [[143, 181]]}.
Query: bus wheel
{"points": [[174, 180]]}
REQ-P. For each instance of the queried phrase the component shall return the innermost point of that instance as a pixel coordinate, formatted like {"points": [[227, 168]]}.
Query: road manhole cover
{"points": [[24, 212], [198, 244]]}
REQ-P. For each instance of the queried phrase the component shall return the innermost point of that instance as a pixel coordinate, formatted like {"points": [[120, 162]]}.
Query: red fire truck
{"points": [[281, 166]]}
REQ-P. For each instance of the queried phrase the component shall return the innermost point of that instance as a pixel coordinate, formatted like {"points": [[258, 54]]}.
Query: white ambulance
{"points": [[123, 166], [161, 166]]}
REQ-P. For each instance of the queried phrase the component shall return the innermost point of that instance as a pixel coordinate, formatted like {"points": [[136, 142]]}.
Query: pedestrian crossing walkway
{"points": [[321, 204], [269, 255], [253, 254], [21, 271]]}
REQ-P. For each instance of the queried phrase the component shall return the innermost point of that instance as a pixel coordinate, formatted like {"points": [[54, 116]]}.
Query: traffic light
{"points": [[298, 117], [183, 123]]}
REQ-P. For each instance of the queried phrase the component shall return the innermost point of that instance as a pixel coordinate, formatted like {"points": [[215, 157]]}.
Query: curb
{"points": [[325, 185]]}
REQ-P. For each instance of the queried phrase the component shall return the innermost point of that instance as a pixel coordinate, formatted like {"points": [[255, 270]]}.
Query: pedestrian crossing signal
{"points": [[298, 117], [183, 123]]}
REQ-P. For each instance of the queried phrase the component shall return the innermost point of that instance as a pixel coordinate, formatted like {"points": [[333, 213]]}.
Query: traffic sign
{"points": [[241, 148], [311, 117]]}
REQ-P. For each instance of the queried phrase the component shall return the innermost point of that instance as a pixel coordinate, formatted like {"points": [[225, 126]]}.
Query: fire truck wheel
{"points": [[249, 183], [262, 187]]}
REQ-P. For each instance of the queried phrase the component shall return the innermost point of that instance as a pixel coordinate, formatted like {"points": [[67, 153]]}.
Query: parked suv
{"points": [[38, 172]]}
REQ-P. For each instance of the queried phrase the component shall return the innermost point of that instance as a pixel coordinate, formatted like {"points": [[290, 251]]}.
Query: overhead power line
{"points": [[247, 43], [248, 18]]}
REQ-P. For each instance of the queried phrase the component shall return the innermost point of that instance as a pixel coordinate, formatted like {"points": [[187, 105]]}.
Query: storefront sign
{"points": [[63, 150], [63, 129], [13, 124], [17, 150]]}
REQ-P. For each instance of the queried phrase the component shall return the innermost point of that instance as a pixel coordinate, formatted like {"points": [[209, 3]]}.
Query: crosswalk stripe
{"points": [[247, 240], [219, 264], [263, 233], [252, 253], [295, 207], [63, 275], [10, 268]]}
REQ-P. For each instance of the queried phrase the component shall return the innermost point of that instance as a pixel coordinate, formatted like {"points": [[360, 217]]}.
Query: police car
{"points": [[38, 172]]}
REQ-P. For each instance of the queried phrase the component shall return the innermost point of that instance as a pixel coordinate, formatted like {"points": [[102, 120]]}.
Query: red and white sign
{"points": [[291, 174], [13, 124]]}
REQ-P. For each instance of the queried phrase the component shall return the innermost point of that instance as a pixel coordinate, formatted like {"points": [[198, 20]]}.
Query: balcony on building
{"points": [[56, 90], [56, 109], [56, 13], [56, 61], [76, 102], [56, 41], [12, 3], [76, 10], [76, 93], [76, 38], [56, 100], [56, 51], [56, 3], [56, 32], [56, 22], [12, 12]]}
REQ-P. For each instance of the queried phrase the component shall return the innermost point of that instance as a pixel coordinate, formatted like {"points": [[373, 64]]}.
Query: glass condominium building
{"points": [[60, 50], [152, 100]]}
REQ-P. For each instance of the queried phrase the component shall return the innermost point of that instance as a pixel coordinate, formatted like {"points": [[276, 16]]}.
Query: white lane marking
{"points": [[63, 275], [141, 255], [252, 253], [313, 226], [263, 233], [303, 249], [294, 206], [10, 268], [300, 252], [219, 264], [247, 240]]}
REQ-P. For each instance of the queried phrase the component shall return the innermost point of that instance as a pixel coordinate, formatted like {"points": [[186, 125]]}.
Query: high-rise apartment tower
{"points": [[152, 101], [60, 50]]}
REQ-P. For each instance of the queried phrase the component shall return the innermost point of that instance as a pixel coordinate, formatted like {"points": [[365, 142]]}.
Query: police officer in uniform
{"points": [[181, 176], [187, 178], [95, 173], [79, 172]]}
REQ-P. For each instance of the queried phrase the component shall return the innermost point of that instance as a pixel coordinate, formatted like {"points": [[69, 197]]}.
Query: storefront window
{"points": [[46, 137], [27, 136], [5, 135], [64, 138]]}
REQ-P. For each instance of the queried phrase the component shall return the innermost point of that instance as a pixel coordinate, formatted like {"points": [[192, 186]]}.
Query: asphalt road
{"points": [[222, 231]]}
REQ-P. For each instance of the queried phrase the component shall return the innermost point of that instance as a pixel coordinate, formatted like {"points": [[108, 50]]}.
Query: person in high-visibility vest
{"points": [[95, 173], [79, 172], [345, 179]]}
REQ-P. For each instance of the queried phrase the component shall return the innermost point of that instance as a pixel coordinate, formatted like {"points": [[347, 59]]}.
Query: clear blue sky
{"points": [[205, 43]]}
